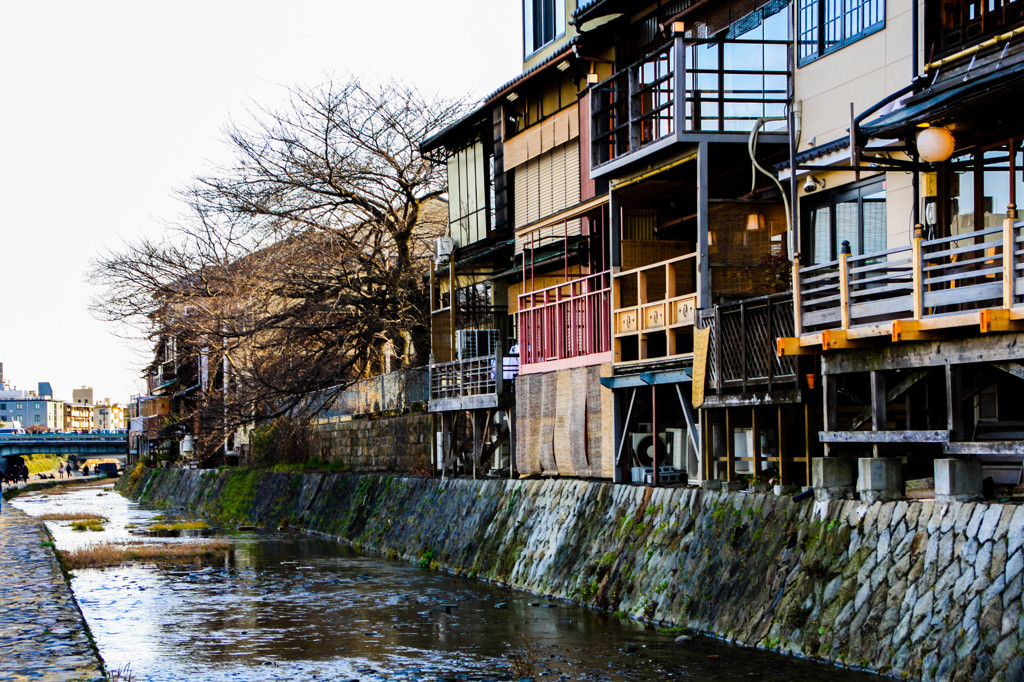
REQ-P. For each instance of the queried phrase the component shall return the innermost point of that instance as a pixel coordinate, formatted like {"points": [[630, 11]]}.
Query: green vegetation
{"points": [[94, 524], [180, 525]]}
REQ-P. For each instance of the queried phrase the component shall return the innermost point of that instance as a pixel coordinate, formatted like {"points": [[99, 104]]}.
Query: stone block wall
{"points": [[391, 444], [919, 590]]}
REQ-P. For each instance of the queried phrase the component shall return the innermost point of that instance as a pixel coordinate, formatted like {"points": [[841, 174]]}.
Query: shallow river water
{"points": [[286, 606]]}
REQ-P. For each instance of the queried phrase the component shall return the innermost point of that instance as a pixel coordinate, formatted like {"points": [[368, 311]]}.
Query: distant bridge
{"points": [[74, 445]]}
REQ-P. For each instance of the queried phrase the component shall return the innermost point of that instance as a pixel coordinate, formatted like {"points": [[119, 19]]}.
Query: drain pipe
{"points": [[751, 149]]}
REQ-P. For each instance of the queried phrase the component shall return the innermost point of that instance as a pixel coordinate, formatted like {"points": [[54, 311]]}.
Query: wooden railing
{"points": [[565, 321], [930, 278], [652, 304], [741, 350]]}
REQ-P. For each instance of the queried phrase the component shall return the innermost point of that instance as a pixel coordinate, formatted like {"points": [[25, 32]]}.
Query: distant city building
{"points": [[77, 417], [82, 396], [107, 415], [31, 410], [45, 389]]}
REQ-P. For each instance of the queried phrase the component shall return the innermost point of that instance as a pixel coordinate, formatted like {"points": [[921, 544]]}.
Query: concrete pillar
{"points": [[832, 478], [880, 479], [957, 480]]}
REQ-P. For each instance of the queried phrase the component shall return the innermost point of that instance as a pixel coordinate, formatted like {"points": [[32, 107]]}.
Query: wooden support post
{"points": [[655, 450], [797, 312], [954, 403], [844, 290], [755, 429], [780, 446], [1009, 260], [707, 453], [878, 415], [730, 465], [807, 443], [828, 405], [918, 276], [703, 224]]}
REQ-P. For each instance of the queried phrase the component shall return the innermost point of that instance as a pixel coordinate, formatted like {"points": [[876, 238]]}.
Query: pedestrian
{"points": [[60, 471]]}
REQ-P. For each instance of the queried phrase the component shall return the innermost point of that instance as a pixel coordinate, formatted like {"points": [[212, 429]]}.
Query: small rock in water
{"points": [[630, 648], [501, 605], [535, 603], [683, 638]]}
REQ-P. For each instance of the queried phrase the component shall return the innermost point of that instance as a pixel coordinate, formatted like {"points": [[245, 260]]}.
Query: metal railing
{"points": [[473, 376], [676, 88], [564, 321], [929, 278]]}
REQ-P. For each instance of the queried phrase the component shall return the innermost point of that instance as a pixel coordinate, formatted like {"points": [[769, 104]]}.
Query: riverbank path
{"points": [[42, 631]]}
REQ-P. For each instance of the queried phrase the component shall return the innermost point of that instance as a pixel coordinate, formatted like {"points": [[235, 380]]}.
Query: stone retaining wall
{"points": [[909, 589], [399, 443]]}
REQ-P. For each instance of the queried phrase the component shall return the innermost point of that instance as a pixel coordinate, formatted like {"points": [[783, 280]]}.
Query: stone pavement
{"points": [[42, 632]]}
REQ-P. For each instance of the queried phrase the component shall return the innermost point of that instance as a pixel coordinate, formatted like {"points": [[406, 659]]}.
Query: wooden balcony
{"points": [[566, 325], [915, 292], [655, 310], [471, 384]]}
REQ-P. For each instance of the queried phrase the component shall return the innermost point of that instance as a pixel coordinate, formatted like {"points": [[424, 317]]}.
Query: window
{"points": [[469, 197], [20, 406], [543, 21], [855, 214], [828, 25]]}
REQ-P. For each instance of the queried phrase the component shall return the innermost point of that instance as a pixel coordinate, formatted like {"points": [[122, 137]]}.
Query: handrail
{"points": [[659, 264], [564, 284]]}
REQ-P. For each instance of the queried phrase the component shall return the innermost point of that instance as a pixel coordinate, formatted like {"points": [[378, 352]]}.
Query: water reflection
{"points": [[291, 607]]}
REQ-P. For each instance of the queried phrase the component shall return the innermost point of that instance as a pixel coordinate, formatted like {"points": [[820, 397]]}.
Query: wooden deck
{"points": [[971, 282]]}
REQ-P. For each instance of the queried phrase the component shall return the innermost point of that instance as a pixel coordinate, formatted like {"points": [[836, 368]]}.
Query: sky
{"points": [[108, 107]]}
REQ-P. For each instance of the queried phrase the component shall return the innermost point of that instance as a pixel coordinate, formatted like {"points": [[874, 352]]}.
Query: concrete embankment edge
{"points": [[909, 589]]}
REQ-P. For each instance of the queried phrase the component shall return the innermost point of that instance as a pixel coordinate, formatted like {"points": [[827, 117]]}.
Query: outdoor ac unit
{"points": [[443, 248], [474, 343], [743, 446], [643, 445]]}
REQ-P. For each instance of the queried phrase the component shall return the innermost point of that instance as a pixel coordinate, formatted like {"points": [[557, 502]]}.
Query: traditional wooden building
{"points": [[905, 175]]}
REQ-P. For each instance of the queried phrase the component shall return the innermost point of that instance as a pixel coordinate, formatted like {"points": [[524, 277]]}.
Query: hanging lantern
{"points": [[935, 144]]}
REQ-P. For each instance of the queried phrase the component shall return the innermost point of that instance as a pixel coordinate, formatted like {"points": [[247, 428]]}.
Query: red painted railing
{"points": [[565, 321]]}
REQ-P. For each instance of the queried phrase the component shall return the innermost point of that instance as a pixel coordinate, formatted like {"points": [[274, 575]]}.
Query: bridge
{"points": [[75, 445]]}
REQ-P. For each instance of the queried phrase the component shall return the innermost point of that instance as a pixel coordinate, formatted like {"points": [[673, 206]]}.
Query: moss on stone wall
{"points": [[916, 589]]}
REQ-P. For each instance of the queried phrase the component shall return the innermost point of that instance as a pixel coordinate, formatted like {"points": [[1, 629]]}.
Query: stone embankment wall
{"points": [[909, 589], [399, 443]]}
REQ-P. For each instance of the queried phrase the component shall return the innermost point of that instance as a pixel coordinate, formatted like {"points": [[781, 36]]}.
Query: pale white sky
{"points": [[109, 106]]}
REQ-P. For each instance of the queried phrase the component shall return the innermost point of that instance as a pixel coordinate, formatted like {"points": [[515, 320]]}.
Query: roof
{"points": [[473, 117], [817, 152]]}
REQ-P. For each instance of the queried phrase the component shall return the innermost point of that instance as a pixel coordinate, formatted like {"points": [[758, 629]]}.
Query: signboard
{"points": [[701, 337]]}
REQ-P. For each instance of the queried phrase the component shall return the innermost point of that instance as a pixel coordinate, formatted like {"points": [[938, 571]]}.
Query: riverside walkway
{"points": [[43, 631]]}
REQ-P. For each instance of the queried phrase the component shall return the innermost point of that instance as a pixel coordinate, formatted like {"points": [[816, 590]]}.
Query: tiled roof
{"points": [[817, 152]]}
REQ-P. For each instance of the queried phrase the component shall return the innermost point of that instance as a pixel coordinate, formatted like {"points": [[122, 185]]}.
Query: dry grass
{"points": [[116, 554], [69, 517], [88, 524], [180, 525]]}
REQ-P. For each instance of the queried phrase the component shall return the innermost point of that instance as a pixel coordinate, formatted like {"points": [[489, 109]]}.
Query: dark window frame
{"points": [[827, 25], [543, 24], [830, 199]]}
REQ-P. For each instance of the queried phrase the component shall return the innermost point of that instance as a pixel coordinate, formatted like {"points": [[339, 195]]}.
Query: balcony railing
{"points": [[648, 101], [930, 280], [741, 354], [473, 377], [655, 309], [566, 321]]}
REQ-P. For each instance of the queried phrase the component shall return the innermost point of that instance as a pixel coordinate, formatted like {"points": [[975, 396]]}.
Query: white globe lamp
{"points": [[935, 144]]}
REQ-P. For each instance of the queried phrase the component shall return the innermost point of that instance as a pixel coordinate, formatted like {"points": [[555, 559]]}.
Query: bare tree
{"points": [[300, 262]]}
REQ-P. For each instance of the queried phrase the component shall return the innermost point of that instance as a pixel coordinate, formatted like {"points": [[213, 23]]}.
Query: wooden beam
{"points": [[839, 339], [868, 331], [787, 345], [914, 330], [999, 320], [884, 436], [879, 419], [1007, 448], [954, 402], [992, 348], [1014, 368]]}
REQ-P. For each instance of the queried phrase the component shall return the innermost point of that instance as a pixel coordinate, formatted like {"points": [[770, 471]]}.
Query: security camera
{"points": [[812, 184]]}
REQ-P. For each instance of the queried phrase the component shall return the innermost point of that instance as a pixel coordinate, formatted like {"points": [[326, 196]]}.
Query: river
{"points": [[287, 606]]}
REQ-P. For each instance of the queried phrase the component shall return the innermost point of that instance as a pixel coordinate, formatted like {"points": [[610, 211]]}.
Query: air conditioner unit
{"points": [[474, 343], [743, 446], [679, 447], [643, 446], [443, 248]]}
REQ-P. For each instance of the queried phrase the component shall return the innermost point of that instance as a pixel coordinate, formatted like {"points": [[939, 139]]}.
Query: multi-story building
{"points": [[108, 416], [82, 396], [614, 188], [906, 174], [77, 417], [28, 408]]}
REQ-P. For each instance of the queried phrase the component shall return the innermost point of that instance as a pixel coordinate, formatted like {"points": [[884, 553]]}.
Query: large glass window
{"points": [[468, 193], [980, 189], [852, 214], [543, 21], [827, 25]]}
